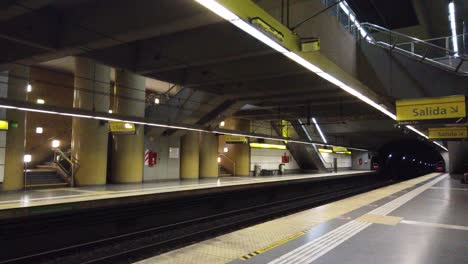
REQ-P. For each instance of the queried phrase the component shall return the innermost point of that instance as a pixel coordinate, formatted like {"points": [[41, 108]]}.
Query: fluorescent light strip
{"points": [[304, 129], [223, 12], [344, 6], [319, 130], [453, 26]]}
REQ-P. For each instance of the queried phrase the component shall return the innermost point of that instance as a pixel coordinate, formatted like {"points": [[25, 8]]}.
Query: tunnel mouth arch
{"points": [[409, 158]]}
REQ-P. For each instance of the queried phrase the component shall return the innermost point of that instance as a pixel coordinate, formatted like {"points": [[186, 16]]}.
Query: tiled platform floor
{"points": [[423, 220], [28, 198]]}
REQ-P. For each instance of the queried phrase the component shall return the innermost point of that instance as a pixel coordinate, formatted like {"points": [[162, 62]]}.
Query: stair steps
{"points": [[42, 176], [223, 172]]}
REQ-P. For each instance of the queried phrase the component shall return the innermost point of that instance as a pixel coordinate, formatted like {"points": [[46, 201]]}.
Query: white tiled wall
{"points": [[269, 159], [343, 160], [3, 93]]}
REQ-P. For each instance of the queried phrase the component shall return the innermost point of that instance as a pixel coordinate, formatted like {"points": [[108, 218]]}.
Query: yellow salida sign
{"points": [[448, 132], [431, 108]]}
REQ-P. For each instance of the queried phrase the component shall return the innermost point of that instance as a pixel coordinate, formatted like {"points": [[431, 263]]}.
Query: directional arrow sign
{"points": [[431, 108], [448, 133]]}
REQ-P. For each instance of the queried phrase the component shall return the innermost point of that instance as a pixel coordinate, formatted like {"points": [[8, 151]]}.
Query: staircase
{"points": [[45, 175], [223, 172]]}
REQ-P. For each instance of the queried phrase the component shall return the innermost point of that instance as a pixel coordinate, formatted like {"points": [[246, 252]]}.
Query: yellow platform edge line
{"points": [[269, 247]]}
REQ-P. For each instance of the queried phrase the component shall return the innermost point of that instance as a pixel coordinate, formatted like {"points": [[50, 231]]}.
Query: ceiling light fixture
{"points": [[319, 130], [223, 12], [453, 26]]}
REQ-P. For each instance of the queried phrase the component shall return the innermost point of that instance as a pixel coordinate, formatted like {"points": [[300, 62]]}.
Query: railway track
{"points": [[141, 244]]}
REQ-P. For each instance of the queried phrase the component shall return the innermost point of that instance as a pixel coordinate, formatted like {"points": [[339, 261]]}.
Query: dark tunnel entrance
{"points": [[400, 160]]}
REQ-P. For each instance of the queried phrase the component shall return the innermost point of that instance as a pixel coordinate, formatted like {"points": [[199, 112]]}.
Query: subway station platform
{"points": [[34, 202], [423, 220]]}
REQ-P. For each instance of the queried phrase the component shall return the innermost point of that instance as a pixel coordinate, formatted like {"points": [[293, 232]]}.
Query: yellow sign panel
{"points": [[448, 132], [117, 127], [4, 125], [235, 139], [431, 108], [340, 149]]}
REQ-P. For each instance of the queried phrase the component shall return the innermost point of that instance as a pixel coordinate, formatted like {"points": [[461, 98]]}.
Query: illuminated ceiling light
{"points": [[344, 6], [319, 130], [237, 21], [27, 158], [234, 19], [404, 158], [222, 124], [390, 156], [39, 130], [110, 111], [453, 26], [304, 129], [55, 143], [128, 126], [29, 88], [267, 146], [156, 101], [225, 149], [40, 101], [219, 159]]}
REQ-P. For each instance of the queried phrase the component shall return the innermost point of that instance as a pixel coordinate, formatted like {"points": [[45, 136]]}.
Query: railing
{"points": [[231, 161], [66, 164], [435, 51]]}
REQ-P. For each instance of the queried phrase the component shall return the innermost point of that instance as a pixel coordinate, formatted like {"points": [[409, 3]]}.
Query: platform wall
{"points": [[364, 156], [3, 93], [269, 159], [344, 160], [167, 167]]}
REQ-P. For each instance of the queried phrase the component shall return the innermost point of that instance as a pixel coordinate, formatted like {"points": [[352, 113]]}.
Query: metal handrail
{"points": [[59, 155], [393, 33], [429, 47], [232, 161]]}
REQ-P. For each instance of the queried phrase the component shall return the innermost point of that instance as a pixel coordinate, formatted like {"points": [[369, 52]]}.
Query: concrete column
{"points": [[242, 151], [90, 137], [15, 140], [208, 155], [189, 156], [128, 150]]}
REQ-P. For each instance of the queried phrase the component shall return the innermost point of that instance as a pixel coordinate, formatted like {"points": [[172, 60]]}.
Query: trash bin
{"points": [[257, 170], [282, 168]]}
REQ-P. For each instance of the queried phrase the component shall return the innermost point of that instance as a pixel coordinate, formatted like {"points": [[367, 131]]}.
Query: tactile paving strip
{"points": [[240, 243]]}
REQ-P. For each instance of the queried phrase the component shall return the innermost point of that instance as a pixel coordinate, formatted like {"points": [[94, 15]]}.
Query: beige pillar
{"points": [[189, 156], [241, 151], [208, 155], [128, 150], [90, 136], [15, 140]]}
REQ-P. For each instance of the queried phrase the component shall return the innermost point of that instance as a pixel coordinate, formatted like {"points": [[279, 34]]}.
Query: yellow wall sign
{"points": [[448, 132], [431, 108], [235, 139], [340, 149], [4, 125], [117, 127]]}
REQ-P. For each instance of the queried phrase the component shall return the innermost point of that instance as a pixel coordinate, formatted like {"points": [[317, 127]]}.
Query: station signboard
{"points": [[232, 139], [415, 111], [117, 127], [448, 133]]}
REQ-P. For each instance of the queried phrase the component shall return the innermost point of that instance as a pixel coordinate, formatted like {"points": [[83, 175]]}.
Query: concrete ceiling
{"points": [[180, 42]]}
